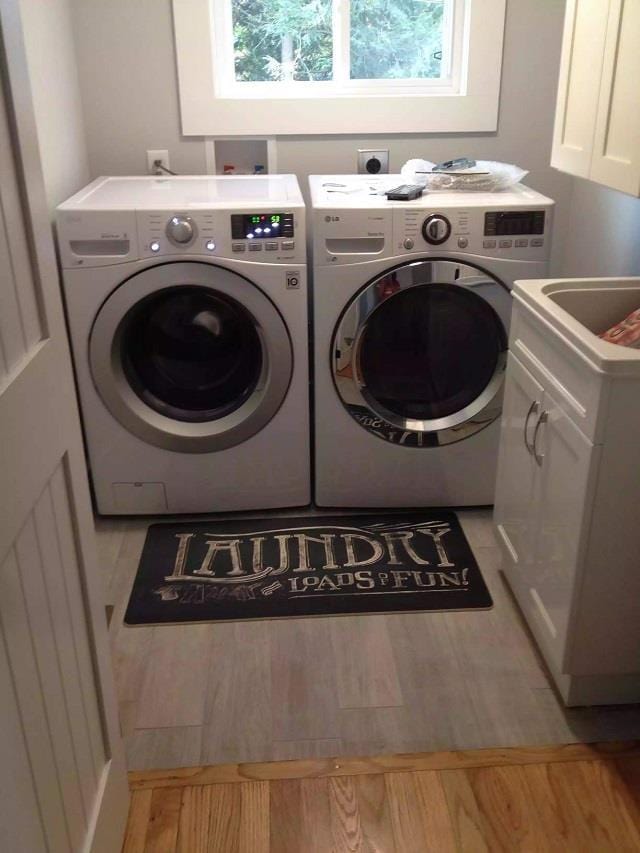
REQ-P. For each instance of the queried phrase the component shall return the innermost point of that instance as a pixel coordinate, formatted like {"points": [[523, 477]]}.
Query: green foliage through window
{"points": [[282, 40], [396, 39], [292, 40]]}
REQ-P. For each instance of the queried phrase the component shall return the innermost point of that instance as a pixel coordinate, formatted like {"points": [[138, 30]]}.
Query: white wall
{"points": [[128, 77], [603, 233], [129, 89], [50, 46]]}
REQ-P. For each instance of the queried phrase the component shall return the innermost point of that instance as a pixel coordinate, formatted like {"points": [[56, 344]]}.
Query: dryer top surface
{"points": [[363, 191], [186, 192]]}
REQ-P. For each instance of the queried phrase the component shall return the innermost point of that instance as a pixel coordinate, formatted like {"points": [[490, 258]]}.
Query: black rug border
{"points": [[284, 522]]}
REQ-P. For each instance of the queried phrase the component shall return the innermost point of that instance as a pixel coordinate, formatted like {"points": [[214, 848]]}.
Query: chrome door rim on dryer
{"points": [[149, 424], [483, 407]]}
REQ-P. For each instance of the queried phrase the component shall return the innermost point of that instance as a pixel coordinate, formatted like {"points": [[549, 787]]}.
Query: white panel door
{"points": [[517, 480], [579, 84], [63, 784], [568, 462], [616, 148]]}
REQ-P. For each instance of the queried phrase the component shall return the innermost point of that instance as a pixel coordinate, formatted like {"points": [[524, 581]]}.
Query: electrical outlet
{"points": [[157, 154], [373, 161]]}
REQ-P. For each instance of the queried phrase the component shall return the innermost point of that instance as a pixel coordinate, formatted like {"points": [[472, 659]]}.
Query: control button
{"points": [[155, 246], [255, 247], [521, 244], [408, 243], [210, 246], [537, 241], [506, 244], [288, 245], [463, 242], [238, 247], [181, 230], [488, 244], [271, 247]]}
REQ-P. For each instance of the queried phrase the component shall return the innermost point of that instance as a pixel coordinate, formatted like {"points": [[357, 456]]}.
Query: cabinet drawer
{"points": [[576, 387]]}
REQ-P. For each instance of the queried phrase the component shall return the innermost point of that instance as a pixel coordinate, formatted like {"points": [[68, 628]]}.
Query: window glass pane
{"points": [[396, 39], [282, 40]]}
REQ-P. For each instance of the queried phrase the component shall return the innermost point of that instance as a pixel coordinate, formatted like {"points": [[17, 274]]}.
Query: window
{"points": [[285, 47], [338, 66]]}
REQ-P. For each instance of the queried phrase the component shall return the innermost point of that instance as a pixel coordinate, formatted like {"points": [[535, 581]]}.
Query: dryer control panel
{"points": [[520, 234]]}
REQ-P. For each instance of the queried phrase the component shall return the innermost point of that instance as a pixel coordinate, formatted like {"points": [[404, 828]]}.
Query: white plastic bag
{"points": [[485, 176]]}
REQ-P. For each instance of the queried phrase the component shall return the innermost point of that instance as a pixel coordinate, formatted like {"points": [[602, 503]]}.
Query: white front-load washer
{"points": [[411, 321], [187, 307]]}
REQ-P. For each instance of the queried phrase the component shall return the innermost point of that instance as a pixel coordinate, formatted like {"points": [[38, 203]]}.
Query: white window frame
{"points": [[212, 104]]}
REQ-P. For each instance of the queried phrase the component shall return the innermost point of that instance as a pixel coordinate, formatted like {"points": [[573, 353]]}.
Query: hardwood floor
{"points": [[350, 685], [576, 798]]}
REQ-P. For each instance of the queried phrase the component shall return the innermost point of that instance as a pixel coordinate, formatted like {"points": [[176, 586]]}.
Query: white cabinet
{"points": [[597, 125], [543, 478], [568, 490]]}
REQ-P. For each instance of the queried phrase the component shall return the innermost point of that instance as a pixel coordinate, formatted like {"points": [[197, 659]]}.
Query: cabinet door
{"points": [[516, 486], [616, 150], [580, 72], [565, 457]]}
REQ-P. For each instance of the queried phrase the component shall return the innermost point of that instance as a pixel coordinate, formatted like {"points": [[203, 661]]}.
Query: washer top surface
{"points": [[363, 191], [186, 192]]}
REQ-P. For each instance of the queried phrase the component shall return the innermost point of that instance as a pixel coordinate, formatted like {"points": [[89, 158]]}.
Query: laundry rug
{"points": [[305, 566]]}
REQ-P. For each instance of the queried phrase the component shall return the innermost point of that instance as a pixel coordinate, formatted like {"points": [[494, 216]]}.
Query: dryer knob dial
{"points": [[181, 230], [436, 229]]}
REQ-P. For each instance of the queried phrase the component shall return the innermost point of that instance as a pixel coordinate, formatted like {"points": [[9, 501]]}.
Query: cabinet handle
{"points": [[533, 408], [544, 417]]}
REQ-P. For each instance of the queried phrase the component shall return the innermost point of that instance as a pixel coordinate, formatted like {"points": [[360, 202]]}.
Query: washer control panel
{"points": [[103, 238], [222, 234]]}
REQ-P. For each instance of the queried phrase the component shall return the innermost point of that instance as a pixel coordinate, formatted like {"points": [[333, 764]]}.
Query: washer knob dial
{"points": [[181, 230], [436, 229]]}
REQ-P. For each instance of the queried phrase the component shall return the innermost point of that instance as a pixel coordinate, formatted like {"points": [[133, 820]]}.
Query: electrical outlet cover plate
{"points": [[157, 154], [373, 161]]}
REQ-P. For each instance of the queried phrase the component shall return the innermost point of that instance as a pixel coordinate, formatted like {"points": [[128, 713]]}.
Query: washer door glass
{"points": [[190, 357], [419, 354], [191, 354]]}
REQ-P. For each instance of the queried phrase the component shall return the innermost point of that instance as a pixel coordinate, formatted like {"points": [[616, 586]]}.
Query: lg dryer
{"points": [[187, 307], [411, 316]]}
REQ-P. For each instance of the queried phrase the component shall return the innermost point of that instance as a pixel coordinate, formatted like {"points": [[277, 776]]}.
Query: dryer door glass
{"points": [[419, 354], [429, 351], [191, 354]]}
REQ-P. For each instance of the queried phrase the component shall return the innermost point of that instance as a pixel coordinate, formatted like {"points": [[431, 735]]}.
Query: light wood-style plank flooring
{"points": [[545, 800], [348, 685]]}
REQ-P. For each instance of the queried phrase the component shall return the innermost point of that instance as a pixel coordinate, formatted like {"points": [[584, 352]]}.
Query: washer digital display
{"points": [[261, 226]]}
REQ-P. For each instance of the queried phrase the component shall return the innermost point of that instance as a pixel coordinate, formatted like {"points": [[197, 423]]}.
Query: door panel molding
{"points": [[65, 753]]}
